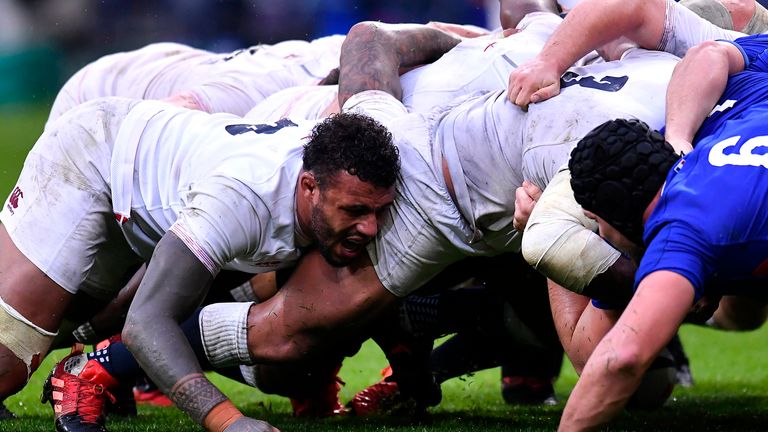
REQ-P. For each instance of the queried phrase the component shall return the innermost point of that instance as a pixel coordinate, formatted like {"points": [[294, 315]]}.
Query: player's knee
{"points": [[27, 342], [13, 372]]}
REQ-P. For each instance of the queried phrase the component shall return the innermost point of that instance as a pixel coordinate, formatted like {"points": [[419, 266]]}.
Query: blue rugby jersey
{"points": [[711, 222]]}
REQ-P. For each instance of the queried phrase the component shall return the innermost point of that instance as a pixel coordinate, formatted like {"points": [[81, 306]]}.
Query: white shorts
{"points": [[684, 29], [59, 214]]}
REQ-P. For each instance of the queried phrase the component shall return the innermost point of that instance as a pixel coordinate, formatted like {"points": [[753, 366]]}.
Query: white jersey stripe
{"points": [[193, 246]]}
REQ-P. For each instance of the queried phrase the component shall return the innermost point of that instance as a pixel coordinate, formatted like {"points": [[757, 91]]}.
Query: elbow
{"points": [[364, 30], [628, 361]]}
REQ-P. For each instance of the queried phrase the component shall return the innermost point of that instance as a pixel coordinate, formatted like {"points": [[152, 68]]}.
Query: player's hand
{"points": [[525, 200], [681, 146], [247, 424], [533, 82]]}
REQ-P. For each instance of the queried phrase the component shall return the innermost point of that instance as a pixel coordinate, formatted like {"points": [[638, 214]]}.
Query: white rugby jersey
{"points": [[225, 187], [233, 82], [300, 102], [491, 145], [424, 88], [478, 64]]}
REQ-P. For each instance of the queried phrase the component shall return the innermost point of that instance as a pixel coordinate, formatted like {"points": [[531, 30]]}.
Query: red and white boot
{"points": [[79, 390]]}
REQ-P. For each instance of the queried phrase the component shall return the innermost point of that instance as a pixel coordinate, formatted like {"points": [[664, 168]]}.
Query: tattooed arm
{"points": [[373, 53], [175, 283]]}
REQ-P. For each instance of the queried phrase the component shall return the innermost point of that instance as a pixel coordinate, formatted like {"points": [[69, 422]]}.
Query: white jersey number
{"points": [[746, 155]]}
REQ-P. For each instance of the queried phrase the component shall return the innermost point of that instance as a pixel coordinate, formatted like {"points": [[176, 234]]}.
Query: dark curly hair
{"points": [[354, 143], [616, 171]]}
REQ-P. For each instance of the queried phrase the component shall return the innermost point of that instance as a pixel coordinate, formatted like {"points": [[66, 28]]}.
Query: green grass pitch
{"points": [[729, 369]]}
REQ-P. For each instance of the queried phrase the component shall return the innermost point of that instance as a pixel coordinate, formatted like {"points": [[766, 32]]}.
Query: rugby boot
{"points": [[518, 390], [324, 404], [5, 413], [79, 390], [385, 398], [682, 364], [146, 392], [379, 399]]}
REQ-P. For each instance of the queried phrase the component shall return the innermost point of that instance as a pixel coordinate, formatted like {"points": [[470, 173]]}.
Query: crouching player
{"points": [[683, 262], [122, 181]]}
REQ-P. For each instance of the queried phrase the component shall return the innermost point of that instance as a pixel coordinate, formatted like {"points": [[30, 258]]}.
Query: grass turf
{"points": [[729, 395]]}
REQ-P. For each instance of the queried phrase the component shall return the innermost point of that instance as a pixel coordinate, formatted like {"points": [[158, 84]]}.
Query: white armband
{"points": [[560, 241]]}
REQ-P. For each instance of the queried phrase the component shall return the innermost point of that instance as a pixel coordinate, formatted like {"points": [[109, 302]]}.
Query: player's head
{"points": [[617, 170], [512, 11], [350, 168]]}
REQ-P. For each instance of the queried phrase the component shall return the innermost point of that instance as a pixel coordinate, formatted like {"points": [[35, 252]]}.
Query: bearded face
{"points": [[344, 217]]}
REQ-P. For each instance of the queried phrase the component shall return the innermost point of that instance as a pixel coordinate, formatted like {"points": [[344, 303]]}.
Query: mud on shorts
{"points": [[59, 213]]}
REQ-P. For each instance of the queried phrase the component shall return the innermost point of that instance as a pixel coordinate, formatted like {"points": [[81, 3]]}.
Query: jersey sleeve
{"points": [[680, 249], [754, 49], [222, 220]]}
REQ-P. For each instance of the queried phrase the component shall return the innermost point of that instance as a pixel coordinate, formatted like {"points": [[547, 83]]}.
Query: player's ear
{"points": [[307, 183]]}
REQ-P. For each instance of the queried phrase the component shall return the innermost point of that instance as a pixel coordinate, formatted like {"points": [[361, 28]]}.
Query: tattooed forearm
{"points": [[196, 396], [373, 53]]}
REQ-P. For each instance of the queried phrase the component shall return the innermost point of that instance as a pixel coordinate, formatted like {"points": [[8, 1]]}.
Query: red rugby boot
{"points": [[325, 404], [79, 390]]}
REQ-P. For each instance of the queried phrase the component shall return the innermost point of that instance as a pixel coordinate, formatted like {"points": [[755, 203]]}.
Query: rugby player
{"points": [[445, 208], [681, 262], [127, 180], [496, 61], [232, 83]]}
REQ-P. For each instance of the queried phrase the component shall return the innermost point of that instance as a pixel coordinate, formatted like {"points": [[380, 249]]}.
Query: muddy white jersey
{"points": [[477, 64], [634, 87], [300, 102], [491, 146], [225, 187], [233, 82]]}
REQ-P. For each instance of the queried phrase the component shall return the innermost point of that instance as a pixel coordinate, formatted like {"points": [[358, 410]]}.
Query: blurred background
{"points": [[42, 42]]}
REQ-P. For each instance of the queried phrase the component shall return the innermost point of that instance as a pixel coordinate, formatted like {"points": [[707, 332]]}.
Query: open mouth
{"points": [[352, 246]]}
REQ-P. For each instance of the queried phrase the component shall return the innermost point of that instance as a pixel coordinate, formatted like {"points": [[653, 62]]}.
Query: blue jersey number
{"points": [[269, 129], [607, 83]]}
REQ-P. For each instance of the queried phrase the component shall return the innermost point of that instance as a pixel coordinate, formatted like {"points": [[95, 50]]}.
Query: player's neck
{"points": [[651, 206]]}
